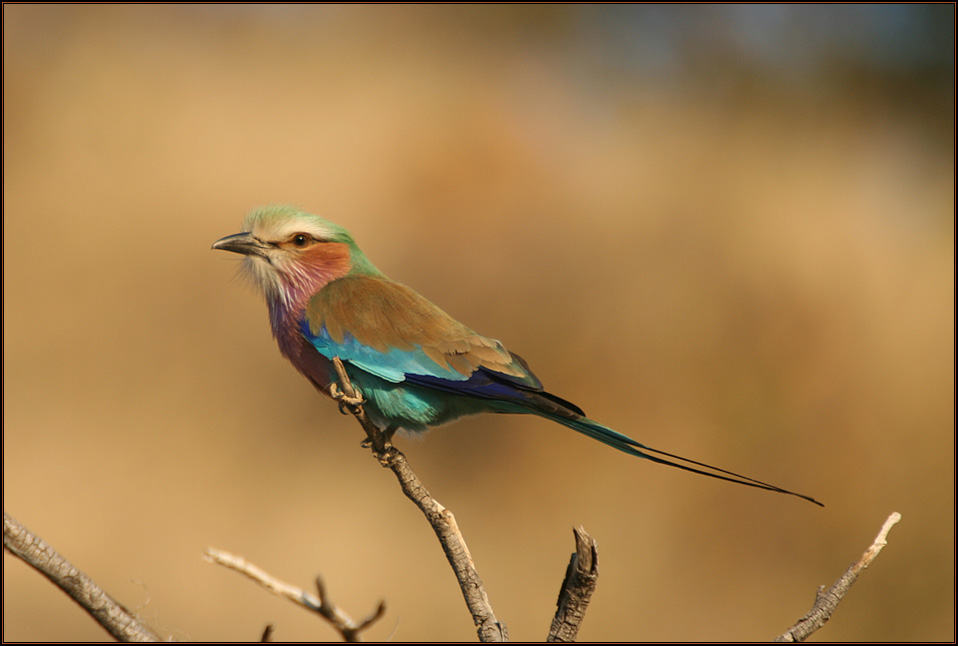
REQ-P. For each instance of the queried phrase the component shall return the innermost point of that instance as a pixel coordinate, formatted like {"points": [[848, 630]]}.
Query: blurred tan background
{"points": [[725, 231]]}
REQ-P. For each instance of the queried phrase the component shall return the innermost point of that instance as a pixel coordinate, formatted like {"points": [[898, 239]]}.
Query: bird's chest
{"points": [[301, 353]]}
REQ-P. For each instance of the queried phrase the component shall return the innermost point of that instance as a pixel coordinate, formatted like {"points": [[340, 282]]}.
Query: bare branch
{"points": [[827, 601], [319, 604], [577, 588], [489, 628], [115, 619]]}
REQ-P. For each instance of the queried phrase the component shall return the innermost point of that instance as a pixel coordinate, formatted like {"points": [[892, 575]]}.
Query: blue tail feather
{"points": [[513, 396], [626, 444]]}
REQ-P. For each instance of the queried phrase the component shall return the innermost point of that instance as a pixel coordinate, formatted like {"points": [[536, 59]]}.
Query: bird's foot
{"points": [[381, 444], [347, 403], [369, 442], [386, 458]]}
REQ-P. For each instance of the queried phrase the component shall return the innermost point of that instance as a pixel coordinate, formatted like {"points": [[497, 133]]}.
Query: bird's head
{"points": [[291, 254]]}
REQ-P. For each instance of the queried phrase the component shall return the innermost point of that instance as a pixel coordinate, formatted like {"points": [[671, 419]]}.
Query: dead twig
{"points": [[109, 613], [827, 601], [577, 588], [319, 604]]}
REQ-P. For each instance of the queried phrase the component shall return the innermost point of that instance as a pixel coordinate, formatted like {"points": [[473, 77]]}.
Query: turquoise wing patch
{"points": [[392, 366]]}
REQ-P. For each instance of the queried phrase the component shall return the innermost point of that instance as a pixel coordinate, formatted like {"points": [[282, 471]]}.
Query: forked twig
{"points": [[319, 604]]}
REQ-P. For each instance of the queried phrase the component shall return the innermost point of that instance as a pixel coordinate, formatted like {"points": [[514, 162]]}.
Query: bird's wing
{"points": [[392, 332]]}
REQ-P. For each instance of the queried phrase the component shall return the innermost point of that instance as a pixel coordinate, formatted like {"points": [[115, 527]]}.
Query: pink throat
{"points": [[316, 269]]}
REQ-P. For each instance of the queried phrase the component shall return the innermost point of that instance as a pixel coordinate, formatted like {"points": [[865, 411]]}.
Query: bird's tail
{"points": [[626, 444]]}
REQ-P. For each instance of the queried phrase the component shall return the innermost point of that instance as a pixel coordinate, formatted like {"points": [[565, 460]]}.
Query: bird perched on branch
{"points": [[415, 365]]}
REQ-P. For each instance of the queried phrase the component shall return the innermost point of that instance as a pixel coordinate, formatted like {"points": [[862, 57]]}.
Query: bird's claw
{"points": [[347, 404], [386, 453], [368, 442]]}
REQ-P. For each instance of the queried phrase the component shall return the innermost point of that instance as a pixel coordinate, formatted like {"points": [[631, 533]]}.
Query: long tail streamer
{"points": [[626, 444]]}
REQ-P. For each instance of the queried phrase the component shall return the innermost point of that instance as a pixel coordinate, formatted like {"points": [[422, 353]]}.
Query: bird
{"points": [[415, 366]]}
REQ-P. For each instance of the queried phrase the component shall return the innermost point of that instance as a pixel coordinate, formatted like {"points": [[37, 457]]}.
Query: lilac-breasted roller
{"points": [[416, 366]]}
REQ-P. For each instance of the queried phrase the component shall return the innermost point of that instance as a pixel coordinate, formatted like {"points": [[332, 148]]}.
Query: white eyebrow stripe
{"points": [[275, 231]]}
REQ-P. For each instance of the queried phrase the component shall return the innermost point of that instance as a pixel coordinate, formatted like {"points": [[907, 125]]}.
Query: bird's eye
{"points": [[301, 240]]}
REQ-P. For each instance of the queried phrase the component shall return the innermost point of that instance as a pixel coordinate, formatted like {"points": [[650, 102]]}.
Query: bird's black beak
{"points": [[245, 243]]}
